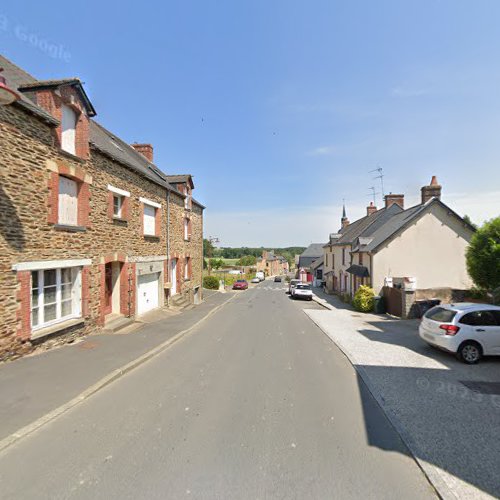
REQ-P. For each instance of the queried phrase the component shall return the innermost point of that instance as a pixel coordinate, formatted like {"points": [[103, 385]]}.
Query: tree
{"points": [[483, 256], [216, 263], [208, 248], [467, 219], [247, 260]]}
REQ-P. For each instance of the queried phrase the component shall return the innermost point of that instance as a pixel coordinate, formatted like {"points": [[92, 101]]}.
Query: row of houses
{"points": [[421, 247], [91, 230], [271, 264]]}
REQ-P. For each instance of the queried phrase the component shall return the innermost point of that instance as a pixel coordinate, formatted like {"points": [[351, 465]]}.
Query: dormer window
{"points": [[68, 130]]}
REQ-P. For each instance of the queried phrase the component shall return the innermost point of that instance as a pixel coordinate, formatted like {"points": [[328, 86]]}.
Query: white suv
{"points": [[469, 330]]}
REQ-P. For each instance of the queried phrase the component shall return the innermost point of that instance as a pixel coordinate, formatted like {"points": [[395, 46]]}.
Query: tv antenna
{"points": [[380, 176], [373, 194]]}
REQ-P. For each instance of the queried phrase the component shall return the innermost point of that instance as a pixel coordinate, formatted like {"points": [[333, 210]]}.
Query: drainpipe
{"points": [[168, 242]]}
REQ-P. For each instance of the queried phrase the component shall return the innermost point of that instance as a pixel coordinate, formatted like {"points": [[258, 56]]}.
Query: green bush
{"points": [[363, 299], [211, 282]]}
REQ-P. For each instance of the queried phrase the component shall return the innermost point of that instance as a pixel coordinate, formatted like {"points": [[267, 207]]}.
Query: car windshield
{"points": [[303, 287], [440, 314], [240, 281]]}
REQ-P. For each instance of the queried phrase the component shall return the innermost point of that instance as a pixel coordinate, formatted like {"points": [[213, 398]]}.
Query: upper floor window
{"points": [[68, 127], [68, 202], [343, 256], [117, 205], [149, 220], [186, 229]]}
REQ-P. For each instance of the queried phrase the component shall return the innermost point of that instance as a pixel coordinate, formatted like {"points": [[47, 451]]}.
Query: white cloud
{"points": [[322, 151]]}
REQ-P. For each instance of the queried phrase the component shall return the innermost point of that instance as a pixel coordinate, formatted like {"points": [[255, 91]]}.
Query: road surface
{"points": [[255, 403]]}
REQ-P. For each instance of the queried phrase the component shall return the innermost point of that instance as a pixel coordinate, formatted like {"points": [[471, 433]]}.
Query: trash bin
{"points": [[378, 304]]}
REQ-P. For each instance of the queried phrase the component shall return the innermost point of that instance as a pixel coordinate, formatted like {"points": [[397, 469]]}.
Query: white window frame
{"points": [[69, 119], [144, 225], [120, 205], [186, 229], [76, 297], [119, 191], [62, 218]]}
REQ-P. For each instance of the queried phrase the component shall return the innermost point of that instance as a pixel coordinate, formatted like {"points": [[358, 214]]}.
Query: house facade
{"points": [[271, 264], [304, 270], [424, 244], [86, 220]]}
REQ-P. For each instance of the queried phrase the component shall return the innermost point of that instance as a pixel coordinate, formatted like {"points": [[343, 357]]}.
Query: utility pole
{"points": [[212, 240]]}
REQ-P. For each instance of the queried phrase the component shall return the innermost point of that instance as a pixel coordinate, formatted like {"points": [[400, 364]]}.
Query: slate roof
{"points": [[99, 137], [180, 179], [310, 254]]}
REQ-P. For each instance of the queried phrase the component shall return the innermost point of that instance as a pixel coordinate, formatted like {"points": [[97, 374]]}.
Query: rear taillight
{"points": [[449, 329]]}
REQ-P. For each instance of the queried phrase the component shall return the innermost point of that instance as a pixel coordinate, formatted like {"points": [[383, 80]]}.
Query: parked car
{"points": [[302, 291], [240, 285], [471, 331], [260, 275], [277, 279], [255, 280], [292, 285]]}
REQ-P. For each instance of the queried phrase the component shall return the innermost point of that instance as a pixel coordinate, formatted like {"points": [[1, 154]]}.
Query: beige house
{"points": [[424, 245]]}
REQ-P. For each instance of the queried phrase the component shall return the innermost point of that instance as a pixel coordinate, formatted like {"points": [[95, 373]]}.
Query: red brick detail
{"points": [[146, 150], [124, 289], [24, 300], [158, 222], [125, 207], [84, 204], [110, 204], [102, 294], [52, 103], [85, 292], [190, 267], [53, 198], [180, 274]]}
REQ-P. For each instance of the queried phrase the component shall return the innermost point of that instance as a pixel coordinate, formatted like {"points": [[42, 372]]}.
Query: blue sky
{"points": [[281, 108]]}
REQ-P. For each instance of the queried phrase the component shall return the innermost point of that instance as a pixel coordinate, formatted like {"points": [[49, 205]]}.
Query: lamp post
{"points": [[7, 95]]}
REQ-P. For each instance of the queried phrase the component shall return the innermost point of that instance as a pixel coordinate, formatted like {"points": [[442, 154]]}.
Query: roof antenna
{"points": [[379, 169], [374, 194]]}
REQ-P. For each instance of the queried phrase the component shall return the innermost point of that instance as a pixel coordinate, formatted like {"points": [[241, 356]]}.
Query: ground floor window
{"points": [[55, 295]]}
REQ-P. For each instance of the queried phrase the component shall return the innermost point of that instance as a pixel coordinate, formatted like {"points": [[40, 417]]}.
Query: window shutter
{"points": [[68, 126], [149, 220], [68, 201]]}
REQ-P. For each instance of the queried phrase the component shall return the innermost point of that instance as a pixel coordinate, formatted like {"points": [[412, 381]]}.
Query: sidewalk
{"points": [[448, 413], [35, 385]]}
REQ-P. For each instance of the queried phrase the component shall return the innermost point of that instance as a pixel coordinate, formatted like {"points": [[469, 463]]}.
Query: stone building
{"points": [[271, 264], [91, 231]]}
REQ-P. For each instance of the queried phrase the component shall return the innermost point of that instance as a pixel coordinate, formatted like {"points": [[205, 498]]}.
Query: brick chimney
{"points": [[371, 208], [433, 190], [391, 199], [145, 150]]}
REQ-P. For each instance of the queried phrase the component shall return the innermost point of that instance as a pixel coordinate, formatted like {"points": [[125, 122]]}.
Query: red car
{"points": [[240, 285]]}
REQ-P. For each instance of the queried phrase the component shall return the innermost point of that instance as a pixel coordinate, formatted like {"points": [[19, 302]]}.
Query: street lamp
{"points": [[7, 95]]}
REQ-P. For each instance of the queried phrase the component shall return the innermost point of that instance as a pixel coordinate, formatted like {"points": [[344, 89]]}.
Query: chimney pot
{"points": [[146, 150], [371, 208], [433, 190], [391, 199]]}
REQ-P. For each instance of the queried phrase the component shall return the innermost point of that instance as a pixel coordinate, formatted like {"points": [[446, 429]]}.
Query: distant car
{"points": [[302, 291], [292, 284], [468, 330], [255, 280], [240, 285], [260, 275], [277, 279]]}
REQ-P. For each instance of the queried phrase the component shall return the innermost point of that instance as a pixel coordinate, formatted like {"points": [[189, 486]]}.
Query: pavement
{"points": [[447, 412], [255, 402], [33, 386]]}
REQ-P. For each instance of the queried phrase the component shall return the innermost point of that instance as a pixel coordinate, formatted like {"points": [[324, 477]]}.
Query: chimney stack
{"points": [[146, 150], [433, 190], [391, 199], [371, 208]]}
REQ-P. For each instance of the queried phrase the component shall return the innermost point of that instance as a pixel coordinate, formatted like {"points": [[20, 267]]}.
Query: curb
{"points": [[322, 302], [103, 382], [430, 471]]}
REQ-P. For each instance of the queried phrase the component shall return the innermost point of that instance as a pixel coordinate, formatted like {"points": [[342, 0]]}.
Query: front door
{"points": [[173, 276], [108, 288]]}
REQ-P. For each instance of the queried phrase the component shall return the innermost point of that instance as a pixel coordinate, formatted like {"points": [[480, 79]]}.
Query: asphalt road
{"points": [[256, 403]]}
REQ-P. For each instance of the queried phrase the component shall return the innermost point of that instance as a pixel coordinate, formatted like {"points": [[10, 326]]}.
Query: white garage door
{"points": [[147, 293]]}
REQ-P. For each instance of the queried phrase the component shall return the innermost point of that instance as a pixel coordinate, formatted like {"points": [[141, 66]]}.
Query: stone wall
{"points": [[28, 158]]}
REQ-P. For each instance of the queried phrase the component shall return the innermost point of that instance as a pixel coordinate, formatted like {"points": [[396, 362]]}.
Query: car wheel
{"points": [[470, 352], [310, 298]]}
